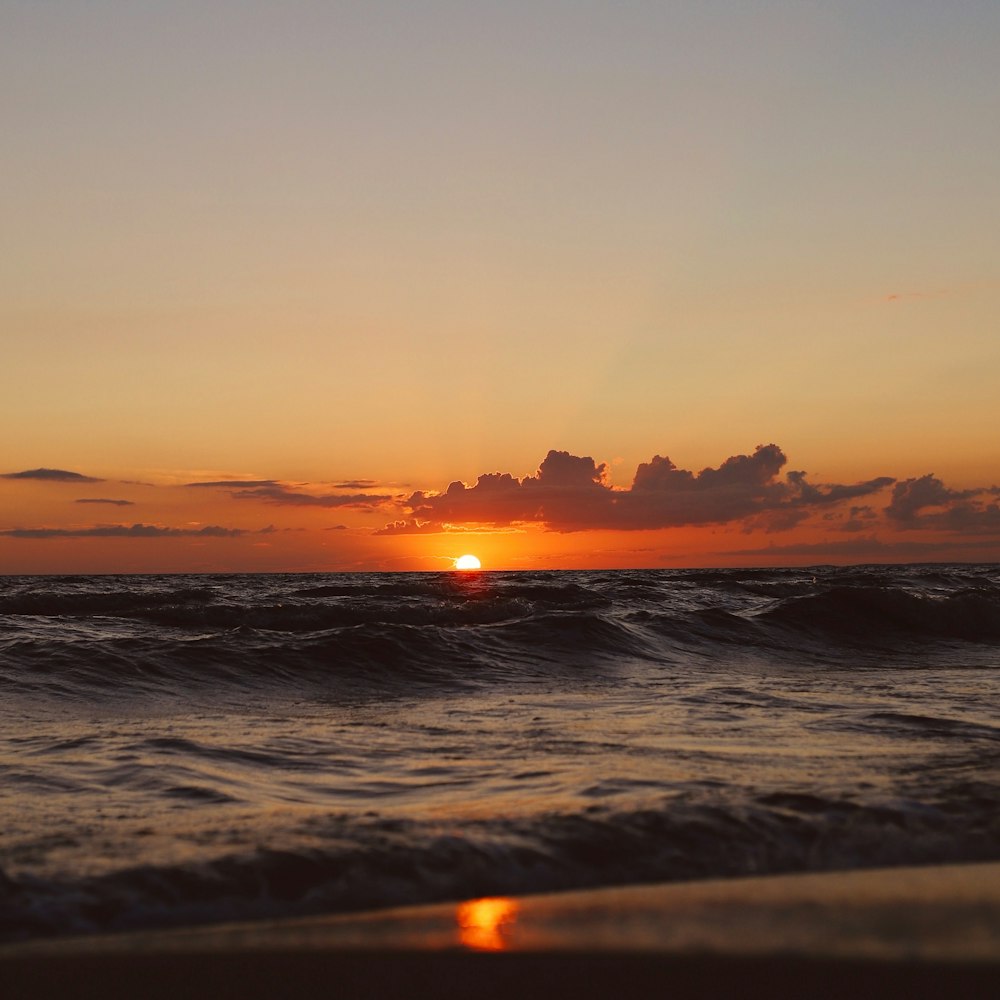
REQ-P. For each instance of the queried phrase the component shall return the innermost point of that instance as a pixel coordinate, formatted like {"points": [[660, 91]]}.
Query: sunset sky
{"points": [[688, 284]]}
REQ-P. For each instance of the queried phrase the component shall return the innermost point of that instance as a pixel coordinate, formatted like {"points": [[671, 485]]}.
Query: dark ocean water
{"points": [[177, 749]]}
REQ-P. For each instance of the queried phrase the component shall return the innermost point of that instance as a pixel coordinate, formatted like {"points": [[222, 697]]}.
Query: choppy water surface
{"points": [[196, 748]]}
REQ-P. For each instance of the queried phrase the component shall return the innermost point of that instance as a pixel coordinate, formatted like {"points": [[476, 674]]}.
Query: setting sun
{"points": [[467, 562], [486, 924]]}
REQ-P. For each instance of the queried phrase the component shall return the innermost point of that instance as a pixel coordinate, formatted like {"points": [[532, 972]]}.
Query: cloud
{"points": [[570, 493], [276, 494], [837, 494], [51, 476], [914, 495], [125, 531], [116, 503], [859, 519], [414, 527], [231, 483], [925, 503], [273, 492]]}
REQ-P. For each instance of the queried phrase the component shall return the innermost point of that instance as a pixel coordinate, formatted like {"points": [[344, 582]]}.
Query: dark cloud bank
{"points": [[571, 493]]}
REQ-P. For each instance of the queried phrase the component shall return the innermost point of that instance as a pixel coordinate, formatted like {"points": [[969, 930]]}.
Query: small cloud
{"points": [[116, 503], [414, 527], [51, 476], [221, 484], [925, 503], [912, 496], [859, 519]]}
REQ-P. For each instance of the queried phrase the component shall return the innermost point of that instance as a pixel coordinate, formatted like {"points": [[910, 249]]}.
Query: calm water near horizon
{"points": [[182, 749]]}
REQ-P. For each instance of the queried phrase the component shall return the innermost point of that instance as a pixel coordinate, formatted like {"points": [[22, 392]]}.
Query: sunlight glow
{"points": [[467, 562], [484, 924]]}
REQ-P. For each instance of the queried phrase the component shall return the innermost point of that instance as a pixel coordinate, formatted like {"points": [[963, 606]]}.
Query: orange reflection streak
{"points": [[484, 924]]}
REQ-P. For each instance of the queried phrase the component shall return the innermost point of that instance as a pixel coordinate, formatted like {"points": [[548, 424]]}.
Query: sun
{"points": [[467, 562]]}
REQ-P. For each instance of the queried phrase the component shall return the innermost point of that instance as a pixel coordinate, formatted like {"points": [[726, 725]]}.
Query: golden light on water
{"points": [[484, 924], [467, 562]]}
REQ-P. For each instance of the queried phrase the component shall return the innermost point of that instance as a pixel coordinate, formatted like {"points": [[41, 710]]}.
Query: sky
{"points": [[364, 286]]}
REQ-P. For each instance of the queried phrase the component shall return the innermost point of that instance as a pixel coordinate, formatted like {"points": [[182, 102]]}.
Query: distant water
{"points": [[178, 749]]}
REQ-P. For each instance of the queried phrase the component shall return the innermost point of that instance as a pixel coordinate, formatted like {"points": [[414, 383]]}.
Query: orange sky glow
{"points": [[660, 285], [746, 510]]}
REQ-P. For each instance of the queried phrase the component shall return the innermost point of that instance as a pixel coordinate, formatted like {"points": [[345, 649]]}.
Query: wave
{"points": [[203, 748], [873, 612], [352, 863], [151, 633]]}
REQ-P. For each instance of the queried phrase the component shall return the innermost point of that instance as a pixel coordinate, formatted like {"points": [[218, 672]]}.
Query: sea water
{"points": [[185, 749]]}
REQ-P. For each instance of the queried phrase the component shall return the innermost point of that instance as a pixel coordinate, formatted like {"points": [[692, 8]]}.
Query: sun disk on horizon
{"points": [[467, 562]]}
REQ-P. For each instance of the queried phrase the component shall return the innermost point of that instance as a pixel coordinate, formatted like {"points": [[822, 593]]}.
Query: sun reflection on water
{"points": [[484, 924]]}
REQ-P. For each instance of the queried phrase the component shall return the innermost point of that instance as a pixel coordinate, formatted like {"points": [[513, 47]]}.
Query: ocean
{"points": [[193, 749]]}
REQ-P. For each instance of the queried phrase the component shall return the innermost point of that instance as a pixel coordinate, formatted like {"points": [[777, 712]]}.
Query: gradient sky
{"points": [[350, 253]]}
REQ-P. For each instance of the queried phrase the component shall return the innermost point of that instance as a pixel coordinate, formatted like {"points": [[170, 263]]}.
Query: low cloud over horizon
{"points": [[571, 493], [753, 493]]}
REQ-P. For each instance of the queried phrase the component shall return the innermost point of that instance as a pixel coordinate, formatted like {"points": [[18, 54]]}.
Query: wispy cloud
{"points": [[51, 476], [221, 484], [275, 493], [115, 503], [271, 491], [126, 531], [415, 527]]}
